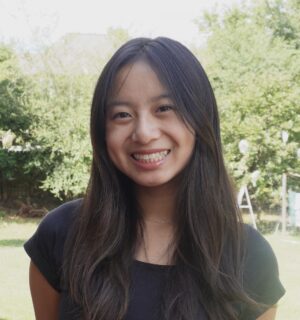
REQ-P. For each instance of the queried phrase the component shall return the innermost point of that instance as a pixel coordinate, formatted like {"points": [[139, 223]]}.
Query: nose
{"points": [[145, 130]]}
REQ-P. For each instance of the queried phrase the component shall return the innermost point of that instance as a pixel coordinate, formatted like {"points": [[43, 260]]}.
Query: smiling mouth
{"points": [[150, 157]]}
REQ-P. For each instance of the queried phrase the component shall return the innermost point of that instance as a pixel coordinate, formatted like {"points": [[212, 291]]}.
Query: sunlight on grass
{"points": [[15, 300], [12, 227]]}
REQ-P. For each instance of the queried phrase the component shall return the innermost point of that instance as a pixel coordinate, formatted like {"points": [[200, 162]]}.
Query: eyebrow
{"points": [[115, 103]]}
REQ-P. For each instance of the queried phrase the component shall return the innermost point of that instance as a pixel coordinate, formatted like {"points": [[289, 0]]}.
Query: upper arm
{"points": [[269, 314], [261, 277], [44, 297]]}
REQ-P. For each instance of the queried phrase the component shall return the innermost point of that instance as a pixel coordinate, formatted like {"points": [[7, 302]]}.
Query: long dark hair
{"points": [[208, 240]]}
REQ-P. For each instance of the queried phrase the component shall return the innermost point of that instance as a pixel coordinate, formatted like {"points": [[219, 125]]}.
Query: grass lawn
{"points": [[15, 301], [287, 250]]}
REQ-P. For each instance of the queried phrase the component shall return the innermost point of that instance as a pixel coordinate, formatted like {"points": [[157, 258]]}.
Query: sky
{"points": [[29, 21]]}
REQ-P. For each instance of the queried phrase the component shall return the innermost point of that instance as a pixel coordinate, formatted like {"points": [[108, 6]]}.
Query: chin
{"points": [[152, 183]]}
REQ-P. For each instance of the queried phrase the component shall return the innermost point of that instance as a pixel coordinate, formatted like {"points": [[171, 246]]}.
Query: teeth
{"points": [[152, 157]]}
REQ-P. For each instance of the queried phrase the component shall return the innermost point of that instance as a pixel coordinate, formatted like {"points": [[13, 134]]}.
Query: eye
{"points": [[165, 108], [121, 115]]}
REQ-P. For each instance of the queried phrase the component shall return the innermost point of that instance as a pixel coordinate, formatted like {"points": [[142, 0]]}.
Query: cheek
{"points": [[188, 142], [191, 141], [115, 144], [185, 136], [113, 147], [111, 143], [189, 137]]}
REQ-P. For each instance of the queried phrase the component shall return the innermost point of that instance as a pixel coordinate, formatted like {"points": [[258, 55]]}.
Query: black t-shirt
{"points": [[45, 248]]}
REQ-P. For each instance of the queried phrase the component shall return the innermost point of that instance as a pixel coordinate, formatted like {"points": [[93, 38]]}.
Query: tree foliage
{"points": [[18, 146], [62, 105], [253, 60], [61, 101]]}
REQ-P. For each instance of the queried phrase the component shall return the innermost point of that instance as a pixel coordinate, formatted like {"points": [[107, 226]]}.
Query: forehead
{"points": [[137, 79]]}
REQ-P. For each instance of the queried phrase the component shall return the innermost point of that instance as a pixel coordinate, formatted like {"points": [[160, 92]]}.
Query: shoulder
{"points": [[255, 242], [45, 247], [53, 229], [261, 272], [258, 251], [60, 219]]}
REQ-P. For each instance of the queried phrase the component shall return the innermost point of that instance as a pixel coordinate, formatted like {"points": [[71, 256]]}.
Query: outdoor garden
{"points": [[252, 56]]}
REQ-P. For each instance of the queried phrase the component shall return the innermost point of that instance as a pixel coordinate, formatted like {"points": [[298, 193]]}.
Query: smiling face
{"points": [[145, 138]]}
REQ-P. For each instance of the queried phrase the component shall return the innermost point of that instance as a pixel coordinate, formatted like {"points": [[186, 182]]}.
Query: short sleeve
{"points": [[45, 247], [261, 278]]}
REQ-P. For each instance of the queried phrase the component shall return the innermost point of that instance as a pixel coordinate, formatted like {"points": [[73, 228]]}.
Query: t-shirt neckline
{"points": [[153, 265]]}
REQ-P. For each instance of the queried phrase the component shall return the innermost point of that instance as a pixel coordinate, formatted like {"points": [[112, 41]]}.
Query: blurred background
{"points": [[51, 54]]}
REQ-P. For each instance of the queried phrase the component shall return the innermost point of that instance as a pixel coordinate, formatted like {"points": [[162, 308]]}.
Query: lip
{"points": [[149, 165], [149, 151]]}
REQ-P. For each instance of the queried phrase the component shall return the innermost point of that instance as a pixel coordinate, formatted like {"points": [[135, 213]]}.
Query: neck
{"points": [[157, 204], [158, 214]]}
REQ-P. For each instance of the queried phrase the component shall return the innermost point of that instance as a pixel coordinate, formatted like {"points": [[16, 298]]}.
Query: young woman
{"points": [[158, 234]]}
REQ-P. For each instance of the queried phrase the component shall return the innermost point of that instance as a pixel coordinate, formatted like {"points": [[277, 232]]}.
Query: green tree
{"points": [[255, 71], [61, 99], [44, 113], [281, 18], [18, 149], [13, 115], [62, 103]]}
